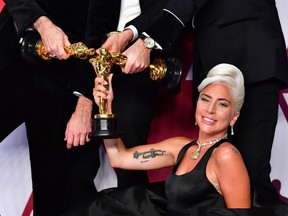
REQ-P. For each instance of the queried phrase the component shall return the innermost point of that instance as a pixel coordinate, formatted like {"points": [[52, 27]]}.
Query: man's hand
{"points": [[53, 38], [80, 123], [117, 41], [138, 58]]}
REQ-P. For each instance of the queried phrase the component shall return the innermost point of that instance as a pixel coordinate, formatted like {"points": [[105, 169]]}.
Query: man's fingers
{"points": [[82, 139]]}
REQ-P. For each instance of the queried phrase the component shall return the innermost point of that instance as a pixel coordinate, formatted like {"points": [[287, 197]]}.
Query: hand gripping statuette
{"points": [[33, 50], [168, 72], [104, 124]]}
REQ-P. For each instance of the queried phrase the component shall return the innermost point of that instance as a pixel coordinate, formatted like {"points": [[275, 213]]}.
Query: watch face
{"points": [[149, 42]]}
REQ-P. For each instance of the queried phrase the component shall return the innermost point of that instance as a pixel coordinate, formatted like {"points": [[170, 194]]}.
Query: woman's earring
{"points": [[195, 123], [232, 130]]}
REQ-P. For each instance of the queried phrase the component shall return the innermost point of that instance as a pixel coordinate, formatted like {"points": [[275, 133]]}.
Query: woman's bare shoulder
{"points": [[227, 152]]}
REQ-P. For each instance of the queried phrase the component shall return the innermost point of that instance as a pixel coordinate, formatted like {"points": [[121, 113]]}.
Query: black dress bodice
{"points": [[192, 193]]}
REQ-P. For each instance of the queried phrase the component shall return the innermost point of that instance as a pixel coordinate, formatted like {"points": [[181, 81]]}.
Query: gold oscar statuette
{"points": [[32, 49], [104, 124], [167, 71]]}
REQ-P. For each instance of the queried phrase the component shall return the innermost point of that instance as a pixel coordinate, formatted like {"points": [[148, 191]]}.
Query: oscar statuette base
{"points": [[104, 126]]}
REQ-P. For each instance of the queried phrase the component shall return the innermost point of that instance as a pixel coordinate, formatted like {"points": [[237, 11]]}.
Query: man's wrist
{"points": [[84, 104], [111, 33], [39, 22], [134, 31], [149, 42], [127, 36]]}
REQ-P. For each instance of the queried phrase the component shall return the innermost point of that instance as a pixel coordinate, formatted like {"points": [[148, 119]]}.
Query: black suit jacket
{"points": [[150, 9], [245, 33], [56, 77]]}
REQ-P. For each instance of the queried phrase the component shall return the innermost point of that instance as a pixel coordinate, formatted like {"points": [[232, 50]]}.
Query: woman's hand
{"points": [[103, 91]]}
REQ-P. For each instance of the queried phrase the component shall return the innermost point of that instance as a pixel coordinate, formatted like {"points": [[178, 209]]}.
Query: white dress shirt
{"points": [[129, 10]]}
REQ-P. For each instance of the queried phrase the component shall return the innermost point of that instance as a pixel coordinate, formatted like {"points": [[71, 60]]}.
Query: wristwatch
{"points": [[148, 41]]}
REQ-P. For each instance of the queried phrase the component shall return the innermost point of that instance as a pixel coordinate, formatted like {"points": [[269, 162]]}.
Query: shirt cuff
{"points": [[78, 94]]}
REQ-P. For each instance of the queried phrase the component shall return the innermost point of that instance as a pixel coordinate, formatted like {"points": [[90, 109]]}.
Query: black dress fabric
{"points": [[192, 191], [190, 194], [137, 200]]}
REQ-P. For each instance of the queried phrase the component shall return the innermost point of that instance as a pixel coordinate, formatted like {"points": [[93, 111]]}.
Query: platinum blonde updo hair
{"points": [[232, 77]]}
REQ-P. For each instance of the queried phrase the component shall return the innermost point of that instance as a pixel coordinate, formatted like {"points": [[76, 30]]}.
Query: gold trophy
{"points": [[32, 49], [167, 71], [104, 124]]}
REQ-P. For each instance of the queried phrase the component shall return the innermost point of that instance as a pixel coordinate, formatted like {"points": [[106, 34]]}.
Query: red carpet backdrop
{"points": [[174, 116]]}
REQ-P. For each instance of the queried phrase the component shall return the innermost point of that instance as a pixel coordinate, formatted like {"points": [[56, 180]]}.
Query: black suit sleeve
{"points": [[24, 13], [103, 17], [172, 20], [149, 11]]}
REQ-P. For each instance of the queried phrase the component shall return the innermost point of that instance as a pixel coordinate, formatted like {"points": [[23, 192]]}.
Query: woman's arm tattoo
{"points": [[148, 154]]}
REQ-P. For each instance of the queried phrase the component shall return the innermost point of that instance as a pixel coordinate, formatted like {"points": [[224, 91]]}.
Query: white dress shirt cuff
{"points": [[76, 93]]}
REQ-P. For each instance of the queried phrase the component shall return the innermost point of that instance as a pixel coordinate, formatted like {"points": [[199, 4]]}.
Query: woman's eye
{"points": [[204, 99], [223, 104]]}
